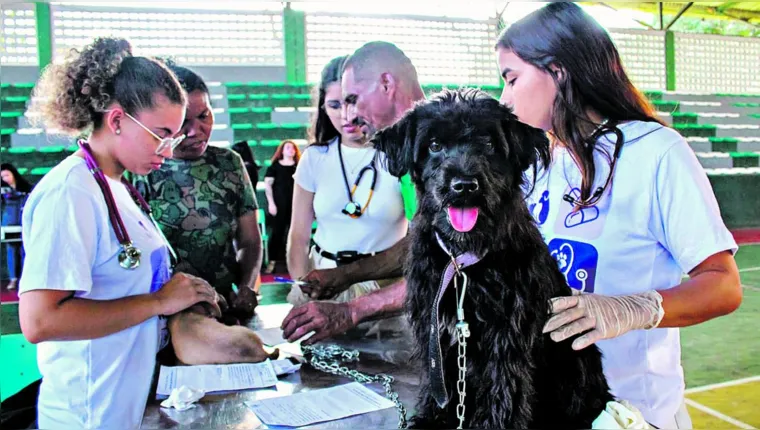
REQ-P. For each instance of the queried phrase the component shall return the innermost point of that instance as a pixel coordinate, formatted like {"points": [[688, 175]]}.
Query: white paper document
{"points": [[214, 378], [319, 405]]}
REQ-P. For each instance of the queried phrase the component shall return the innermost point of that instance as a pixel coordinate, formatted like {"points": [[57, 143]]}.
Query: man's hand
{"points": [[324, 318], [324, 284], [604, 317]]}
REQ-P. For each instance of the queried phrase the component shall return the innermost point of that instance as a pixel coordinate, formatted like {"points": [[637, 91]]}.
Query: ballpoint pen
{"points": [[289, 281]]}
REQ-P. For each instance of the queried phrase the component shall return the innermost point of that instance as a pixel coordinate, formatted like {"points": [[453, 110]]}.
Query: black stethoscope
{"points": [[129, 256], [353, 209]]}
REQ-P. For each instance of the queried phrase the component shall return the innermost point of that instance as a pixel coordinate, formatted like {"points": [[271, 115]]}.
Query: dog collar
{"points": [[436, 371]]}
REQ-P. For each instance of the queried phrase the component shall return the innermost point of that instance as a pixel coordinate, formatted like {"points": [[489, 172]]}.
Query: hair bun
{"points": [[68, 95]]}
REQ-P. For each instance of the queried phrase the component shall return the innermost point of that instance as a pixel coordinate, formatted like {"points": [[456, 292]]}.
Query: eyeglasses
{"points": [[166, 142]]}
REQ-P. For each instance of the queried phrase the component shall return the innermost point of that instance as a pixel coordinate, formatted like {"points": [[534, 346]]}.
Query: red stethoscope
{"points": [[129, 256], [353, 209]]}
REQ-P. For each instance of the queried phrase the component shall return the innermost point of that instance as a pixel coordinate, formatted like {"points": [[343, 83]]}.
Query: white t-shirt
{"points": [[659, 221], [382, 224], [70, 246]]}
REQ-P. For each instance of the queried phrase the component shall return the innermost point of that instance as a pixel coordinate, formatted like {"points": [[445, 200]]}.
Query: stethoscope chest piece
{"points": [[129, 257], [353, 210]]}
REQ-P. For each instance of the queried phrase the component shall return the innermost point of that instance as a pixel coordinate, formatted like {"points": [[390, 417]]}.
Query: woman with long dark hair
{"points": [[624, 206], [15, 191], [279, 191], [340, 182]]}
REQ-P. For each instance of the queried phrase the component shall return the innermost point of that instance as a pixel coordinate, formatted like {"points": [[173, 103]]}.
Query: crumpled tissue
{"points": [[620, 415], [182, 398], [285, 367]]}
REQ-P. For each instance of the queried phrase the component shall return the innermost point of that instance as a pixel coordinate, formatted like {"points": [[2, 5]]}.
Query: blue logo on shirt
{"points": [[577, 261], [159, 263], [540, 210]]}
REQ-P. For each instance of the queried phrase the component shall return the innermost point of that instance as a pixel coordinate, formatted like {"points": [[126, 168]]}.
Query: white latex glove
{"points": [[620, 415], [605, 316]]}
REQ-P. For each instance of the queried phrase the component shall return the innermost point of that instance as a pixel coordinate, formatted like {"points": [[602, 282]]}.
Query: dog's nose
{"points": [[460, 186]]}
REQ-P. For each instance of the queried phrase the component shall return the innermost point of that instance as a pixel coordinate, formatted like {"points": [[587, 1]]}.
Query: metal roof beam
{"points": [[680, 13]]}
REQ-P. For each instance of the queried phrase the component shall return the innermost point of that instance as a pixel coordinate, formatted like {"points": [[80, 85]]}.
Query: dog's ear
{"points": [[397, 142], [529, 145]]}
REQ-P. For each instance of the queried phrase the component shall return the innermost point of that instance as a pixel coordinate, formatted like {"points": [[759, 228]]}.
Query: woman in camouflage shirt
{"points": [[206, 205]]}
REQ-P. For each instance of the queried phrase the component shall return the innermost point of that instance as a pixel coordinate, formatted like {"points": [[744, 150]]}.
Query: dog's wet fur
{"points": [[517, 377]]}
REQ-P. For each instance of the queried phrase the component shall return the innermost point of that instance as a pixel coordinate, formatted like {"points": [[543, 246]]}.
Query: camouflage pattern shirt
{"points": [[197, 204]]}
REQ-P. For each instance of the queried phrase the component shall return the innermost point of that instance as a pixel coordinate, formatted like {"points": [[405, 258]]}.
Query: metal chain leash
{"points": [[328, 359], [463, 332]]}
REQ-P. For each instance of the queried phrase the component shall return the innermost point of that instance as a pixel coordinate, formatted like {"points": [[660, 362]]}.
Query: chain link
{"points": [[328, 358], [462, 364], [463, 332]]}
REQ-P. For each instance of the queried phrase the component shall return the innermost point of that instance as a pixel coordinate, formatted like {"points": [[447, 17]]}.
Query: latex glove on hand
{"points": [[605, 316]]}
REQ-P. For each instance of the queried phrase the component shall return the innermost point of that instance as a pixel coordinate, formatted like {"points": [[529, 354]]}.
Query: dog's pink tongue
{"points": [[463, 219]]}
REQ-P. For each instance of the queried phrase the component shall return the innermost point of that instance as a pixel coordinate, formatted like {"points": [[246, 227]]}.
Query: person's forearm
{"points": [[268, 192], [297, 256], [387, 264], [81, 319], [383, 303], [249, 257], [701, 298]]}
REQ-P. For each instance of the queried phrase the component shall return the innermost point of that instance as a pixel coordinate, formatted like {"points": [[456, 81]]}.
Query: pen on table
{"points": [[289, 281]]}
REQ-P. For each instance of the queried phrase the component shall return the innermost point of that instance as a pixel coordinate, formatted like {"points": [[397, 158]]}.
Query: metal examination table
{"points": [[384, 353]]}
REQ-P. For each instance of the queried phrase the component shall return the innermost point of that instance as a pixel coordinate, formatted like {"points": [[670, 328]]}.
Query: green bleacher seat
{"points": [[301, 100], [260, 100], [18, 89], [696, 130], [653, 95], [21, 150], [300, 88], [7, 131], [16, 99], [52, 149], [685, 118], [9, 119], [724, 144], [243, 131], [666, 106], [281, 100], [250, 115], [235, 88], [745, 159], [41, 170]]}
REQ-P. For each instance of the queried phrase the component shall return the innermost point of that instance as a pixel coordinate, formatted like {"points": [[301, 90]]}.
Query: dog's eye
{"points": [[435, 147], [489, 145]]}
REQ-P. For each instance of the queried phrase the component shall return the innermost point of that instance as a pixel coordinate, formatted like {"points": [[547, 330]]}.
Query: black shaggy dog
{"points": [[467, 154]]}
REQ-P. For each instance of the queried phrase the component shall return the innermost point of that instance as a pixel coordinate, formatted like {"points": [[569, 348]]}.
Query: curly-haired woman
{"points": [[98, 271]]}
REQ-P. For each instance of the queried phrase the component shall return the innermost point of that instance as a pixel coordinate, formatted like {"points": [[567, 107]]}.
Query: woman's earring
{"points": [[118, 131]]}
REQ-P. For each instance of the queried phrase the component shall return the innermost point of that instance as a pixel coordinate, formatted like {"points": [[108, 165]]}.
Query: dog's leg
{"points": [[198, 339]]}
